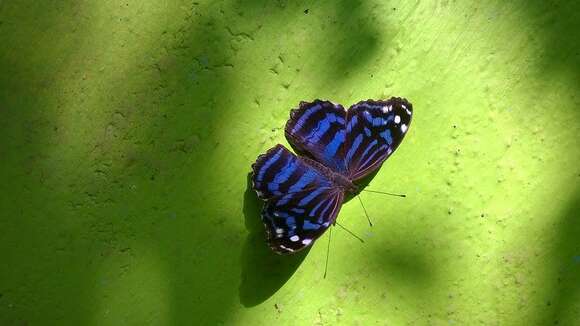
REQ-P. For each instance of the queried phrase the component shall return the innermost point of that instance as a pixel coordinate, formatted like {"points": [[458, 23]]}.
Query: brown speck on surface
{"points": [[278, 307]]}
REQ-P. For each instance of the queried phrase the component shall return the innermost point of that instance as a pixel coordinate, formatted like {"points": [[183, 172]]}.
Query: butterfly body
{"points": [[303, 194], [338, 179]]}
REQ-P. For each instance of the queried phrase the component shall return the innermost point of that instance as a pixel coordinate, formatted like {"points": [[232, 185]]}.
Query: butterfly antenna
{"points": [[385, 193], [349, 231], [327, 252], [364, 209]]}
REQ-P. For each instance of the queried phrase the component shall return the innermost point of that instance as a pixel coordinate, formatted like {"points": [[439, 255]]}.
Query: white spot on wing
{"points": [[286, 248], [385, 109], [306, 241], [279, 230], [397, 119], [403, 127], [294, 238]]}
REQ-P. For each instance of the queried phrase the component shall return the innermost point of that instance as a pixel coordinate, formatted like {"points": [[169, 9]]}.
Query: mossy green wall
{"points": [[127, 129]]}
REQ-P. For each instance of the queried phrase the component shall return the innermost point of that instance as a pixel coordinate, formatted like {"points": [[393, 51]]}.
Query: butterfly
{"points": [[337, 147]]}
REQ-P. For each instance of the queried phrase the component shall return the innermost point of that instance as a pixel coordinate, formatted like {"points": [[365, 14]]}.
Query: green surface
{"points": [[127, 129]]}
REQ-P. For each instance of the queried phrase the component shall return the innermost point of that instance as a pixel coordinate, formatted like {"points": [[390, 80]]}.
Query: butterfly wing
{"points": [[318, 129], [301, 202], [295, 220], [279, 172], [374, 129]]}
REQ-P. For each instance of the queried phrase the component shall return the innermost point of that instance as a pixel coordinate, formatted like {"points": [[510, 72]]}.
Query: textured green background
{"points": [[127, 129]]}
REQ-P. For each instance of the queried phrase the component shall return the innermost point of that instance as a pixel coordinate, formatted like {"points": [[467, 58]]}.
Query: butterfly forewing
{"points": [[318, 129], [374, 129], [279, 172]]}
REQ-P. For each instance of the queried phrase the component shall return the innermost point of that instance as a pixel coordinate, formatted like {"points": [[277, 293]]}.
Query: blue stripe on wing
{"points": [[318, 129], [374, 129], [279, 172]]}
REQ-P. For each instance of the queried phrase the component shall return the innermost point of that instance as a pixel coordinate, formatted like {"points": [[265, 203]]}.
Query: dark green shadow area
{"points": [[186, 209], [356, 36], [263, 272], [559, 30], [407, 263], [69, 239], [405, 266], [45, 269], [563, 282]]}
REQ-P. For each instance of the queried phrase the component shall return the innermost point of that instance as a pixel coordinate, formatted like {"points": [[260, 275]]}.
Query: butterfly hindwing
{"points": [[301, 202], [374, 129], [295, 220], [318, 129]]}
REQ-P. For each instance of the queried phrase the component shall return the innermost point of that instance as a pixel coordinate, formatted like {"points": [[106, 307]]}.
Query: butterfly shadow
{"points": [[263, 271]]}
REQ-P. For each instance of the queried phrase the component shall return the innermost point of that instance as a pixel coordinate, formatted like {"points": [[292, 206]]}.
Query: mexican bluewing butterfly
{"points": [[303, 194]]}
